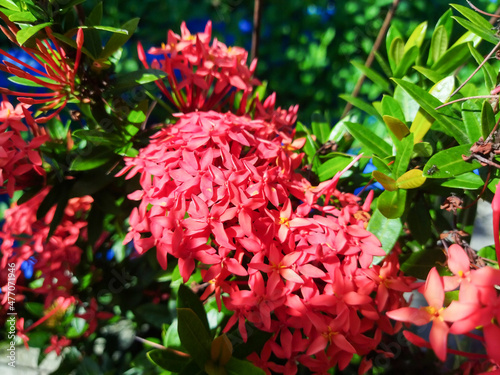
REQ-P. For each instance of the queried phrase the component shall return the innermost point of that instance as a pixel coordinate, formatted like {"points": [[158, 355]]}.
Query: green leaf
{"points": [[97, 157], [118, 40], [422, 149], [471, 113], [328, 169], [35, 308], [24, 34], [420, 263], [369, 139], [97, 136], [407, 61], [237, 367], [25, 17], [451, 59], [390, 107], [449, 163], [477, 22], [417, 37], [168, 359], [473, 28], [488, 252], [386, 230], [381, 165], [490, 75], [419, 221], [106, 28], [194, 337], [139, 77], [365, 107], [392, 203], [138, 114], [411, 179], [392, 34], [396, 53], [403, 156], [447, 22], [487, 120], [430, 74], [439, 45], [466, 181], [428, 103], [387, 182], [373, 76], [409, 106], [9, 4], [320, 128], [186, 298]]}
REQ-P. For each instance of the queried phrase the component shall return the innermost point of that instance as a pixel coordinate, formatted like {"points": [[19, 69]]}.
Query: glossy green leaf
{"points": [[411, 180], [407, 61], [488, 252], [97, 157], [25, 17], [117, 40], [320, 127], [396, 53], [387, 182], [408, 105], [479, 23], [449, 163], [447, 22], [422, 149], [139, 77], [328, 169], [9, 4], [390, 107], [359, 103], [392, 34], [372, 75], [466, 181], [97, 136], [430, 74], [471, 114], [473, 28], [386, 230], [420, 263], [489, 73], [168, 359], [24, 34], [194, 336], [417, 37], [106, 28], [451, 59], [238, 367], [439, 45], [396, 126], [403, 156], [392, 203], [381, 165], [35, 308], [186, 298], [428, 103], [487, 120], [369, 139]]}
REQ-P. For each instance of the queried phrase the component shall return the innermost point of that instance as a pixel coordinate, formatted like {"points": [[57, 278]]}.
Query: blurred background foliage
{"points": [[305, 48]]}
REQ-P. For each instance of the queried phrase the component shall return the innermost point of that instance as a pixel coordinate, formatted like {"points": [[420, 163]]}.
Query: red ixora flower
{"points": [[59, 75]]}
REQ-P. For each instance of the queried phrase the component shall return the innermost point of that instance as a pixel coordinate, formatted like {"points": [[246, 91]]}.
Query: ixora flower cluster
{"points": [[478, 305], [220, 191]]}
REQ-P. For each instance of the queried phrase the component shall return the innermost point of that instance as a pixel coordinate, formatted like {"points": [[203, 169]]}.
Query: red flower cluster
{"points": [[20, 161], [59, 75], [221, 190], [200, 75], [478, 306]]}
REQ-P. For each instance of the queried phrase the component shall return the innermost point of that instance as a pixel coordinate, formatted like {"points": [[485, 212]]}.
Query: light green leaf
{"points": [[9, 4], [25, 17], [471, 113], [487, 120], [480, 23], [392, 203], [118, 40], [403, 156], [320, 127], [406, 62], [391, 107], [473, 28], [490, 75], [430, 74], [466, 181], [365, 107], [24, 34], [439, 44], [417, 37], [386, 230], [328, 169], [396, 53], [451, 59]]}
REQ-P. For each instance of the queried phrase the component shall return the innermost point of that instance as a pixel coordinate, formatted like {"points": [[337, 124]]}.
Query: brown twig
{"points": [[257, 15], [371, 56], [468, 98]]}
